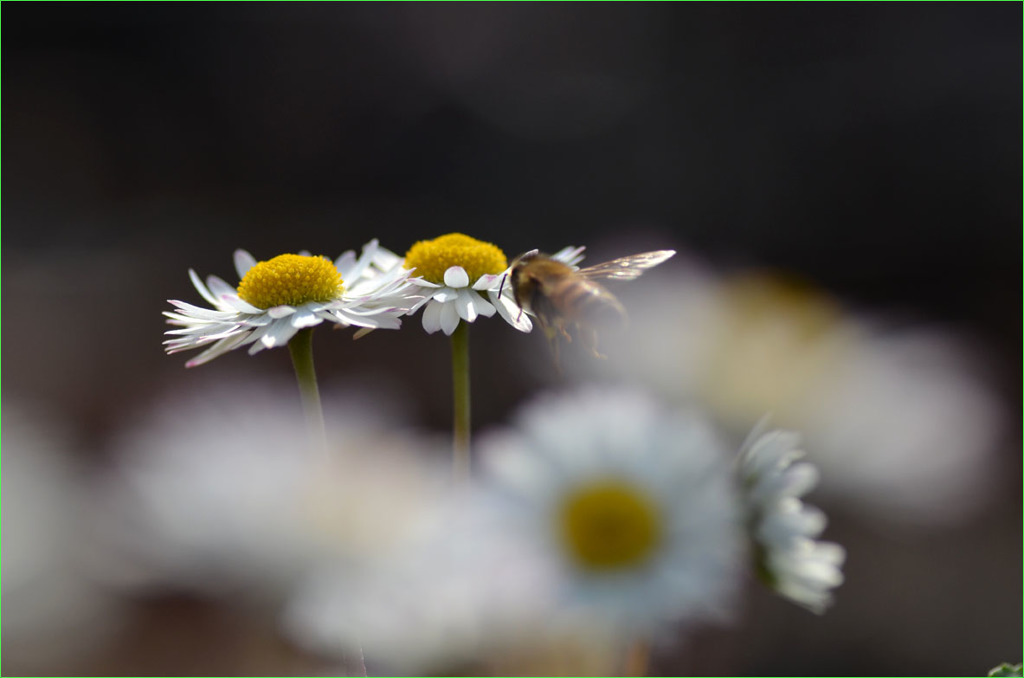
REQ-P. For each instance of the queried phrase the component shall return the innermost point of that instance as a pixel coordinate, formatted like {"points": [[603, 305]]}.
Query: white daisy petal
{"points": [[203, 291], [280, 311], [391, 275], [218, 349], [445, 295], [199, 312], [464, 305], [232, 301], [418, 303], [449, 318], [483, 307], [801, 478], [799, 568], [220, 289], [457, 277], [302, 319], [202, 334], [384, 322], [257, 320], [345, 264], [243, 262], [278, 333], [386, 260], [469, 305], [487, 282], [432, 316], [511, 312], [362, 264], [569, 255]]}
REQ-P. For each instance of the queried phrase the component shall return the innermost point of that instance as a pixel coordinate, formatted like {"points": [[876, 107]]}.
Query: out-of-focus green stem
{"points": [[460, 391], [301, 348]]}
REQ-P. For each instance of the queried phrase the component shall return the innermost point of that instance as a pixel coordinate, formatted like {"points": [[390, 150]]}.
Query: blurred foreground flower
{"points": [[460, 595], [634, 505], [900, 420], [783, 528], [277, 298], [599, 521], [217, 493], [55, 613]]}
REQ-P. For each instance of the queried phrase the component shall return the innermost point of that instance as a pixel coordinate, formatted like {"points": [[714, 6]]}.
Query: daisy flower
{"points": [[782, 527], [634, 507], [277, 298], [462, 279]]}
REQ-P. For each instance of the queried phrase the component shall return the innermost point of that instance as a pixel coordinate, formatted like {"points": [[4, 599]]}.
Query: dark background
{"points": [[872, 149]]}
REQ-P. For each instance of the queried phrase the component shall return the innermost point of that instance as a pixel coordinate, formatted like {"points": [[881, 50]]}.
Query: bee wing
{"points": [[626, 268]]}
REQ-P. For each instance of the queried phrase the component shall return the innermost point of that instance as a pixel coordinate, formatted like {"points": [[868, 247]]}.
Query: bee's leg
{"points": [[588, 337], [564, 331], [552, 334]]}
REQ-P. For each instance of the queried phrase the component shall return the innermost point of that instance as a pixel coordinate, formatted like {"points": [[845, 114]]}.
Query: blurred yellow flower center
{"points": [[609, 525], [756, 300], [292, 280], [431, 258], [778, 341]]}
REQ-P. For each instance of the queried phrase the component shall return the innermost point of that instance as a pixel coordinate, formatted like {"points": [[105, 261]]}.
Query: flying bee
{"points": [[561, 296]]}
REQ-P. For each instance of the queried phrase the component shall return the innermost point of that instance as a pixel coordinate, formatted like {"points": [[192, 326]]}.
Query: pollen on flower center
{"points": [[609, 525], [292, 280], [431, 258]]}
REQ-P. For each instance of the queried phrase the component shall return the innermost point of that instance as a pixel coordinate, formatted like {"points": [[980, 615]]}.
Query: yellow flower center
{"points": [[609, 525], [431, 258], [292, 280]]}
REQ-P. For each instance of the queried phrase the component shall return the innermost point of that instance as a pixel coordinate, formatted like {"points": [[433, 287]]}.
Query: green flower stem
{"points": [[301, 348], [460, 390]]}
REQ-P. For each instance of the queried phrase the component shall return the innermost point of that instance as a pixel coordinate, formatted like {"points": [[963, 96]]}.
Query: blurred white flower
{"points": [[55, 612], [784, 529], [277, 298], [901, 422], [461, 594], [634, 505], [218, 493], [455, 270]]}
